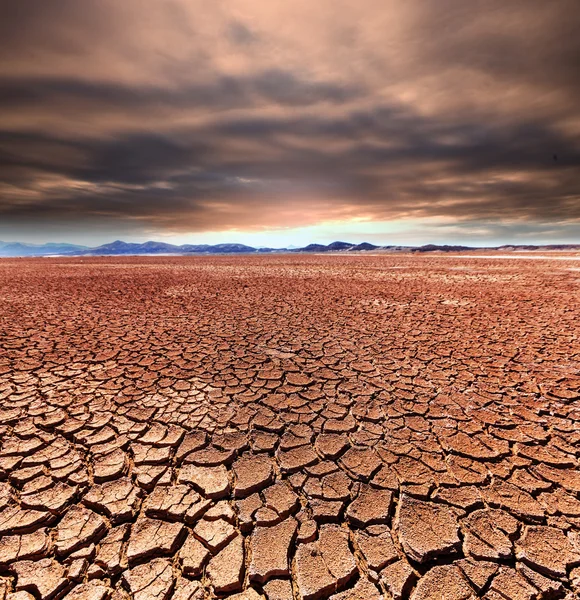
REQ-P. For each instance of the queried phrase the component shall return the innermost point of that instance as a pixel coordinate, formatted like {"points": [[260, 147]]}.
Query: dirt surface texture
{"points": [[289, 427]]}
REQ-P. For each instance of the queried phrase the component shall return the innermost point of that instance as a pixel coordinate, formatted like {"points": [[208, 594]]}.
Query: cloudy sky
{"points": [[290, 121]]}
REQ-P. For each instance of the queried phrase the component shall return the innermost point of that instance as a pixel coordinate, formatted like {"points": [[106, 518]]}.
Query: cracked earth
{"points": [[289, 428]]}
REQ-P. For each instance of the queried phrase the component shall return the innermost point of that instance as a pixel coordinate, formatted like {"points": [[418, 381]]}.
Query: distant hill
{"points": [[337, 247], [365, 246], [124, 248], [312, 248], [435, 248], [152, 248], [546, 247], [13, 249]]}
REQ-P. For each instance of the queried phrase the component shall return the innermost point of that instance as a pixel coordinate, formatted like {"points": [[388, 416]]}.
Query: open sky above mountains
{"points": [[277, 123]]}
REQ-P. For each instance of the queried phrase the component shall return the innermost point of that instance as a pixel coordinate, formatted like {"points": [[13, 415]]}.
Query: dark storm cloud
{"points": [[225, 92], [192, 121]]}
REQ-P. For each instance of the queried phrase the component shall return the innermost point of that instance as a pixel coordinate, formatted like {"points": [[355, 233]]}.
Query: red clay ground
{"points": [[289, 427]]}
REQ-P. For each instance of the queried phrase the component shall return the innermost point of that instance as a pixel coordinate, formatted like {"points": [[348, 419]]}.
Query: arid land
{"points": [[290, 427]]}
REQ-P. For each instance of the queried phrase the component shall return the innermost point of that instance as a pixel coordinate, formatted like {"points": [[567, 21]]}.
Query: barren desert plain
{"points": [[300, 427]]}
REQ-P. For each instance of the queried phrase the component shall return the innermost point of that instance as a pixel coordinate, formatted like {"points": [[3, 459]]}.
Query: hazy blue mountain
{"points": [[333, 247], [14, 249], [232, 249], [364, 246], [116, 247], [125, 248], [198, 248], [444, 248], [339, 246], [543, 247], [120, 248], [160, 248], [312, 248]]}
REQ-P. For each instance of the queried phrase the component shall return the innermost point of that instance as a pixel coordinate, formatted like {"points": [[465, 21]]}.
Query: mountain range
{"points": [[119, 248]]}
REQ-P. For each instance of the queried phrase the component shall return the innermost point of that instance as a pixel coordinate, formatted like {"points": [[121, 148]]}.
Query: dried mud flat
{"points": [[289, 427]]}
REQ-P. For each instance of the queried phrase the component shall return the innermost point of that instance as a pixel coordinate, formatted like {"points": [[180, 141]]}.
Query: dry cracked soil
{"points": [[289, 428]]}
